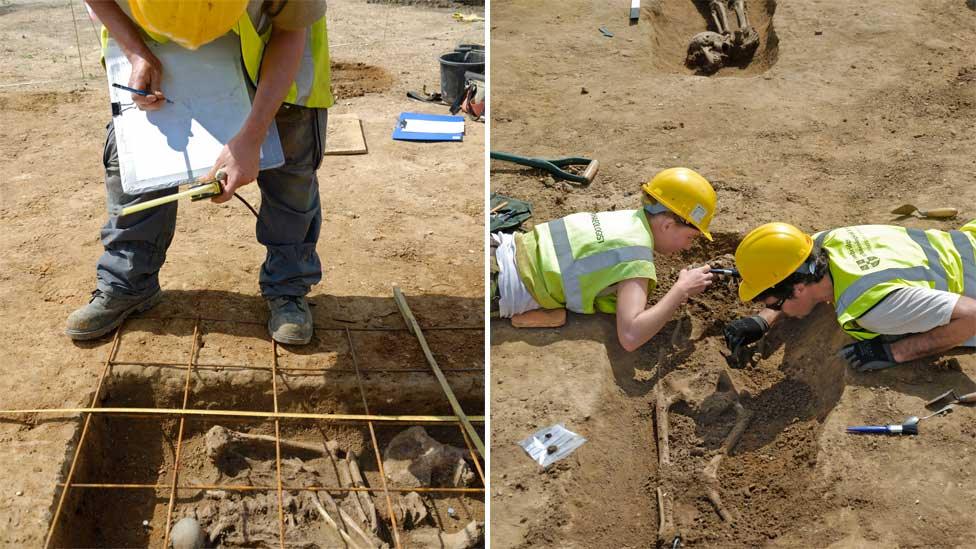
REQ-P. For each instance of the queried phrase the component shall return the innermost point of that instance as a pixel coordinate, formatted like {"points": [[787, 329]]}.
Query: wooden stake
{"points": [[408, 317]]}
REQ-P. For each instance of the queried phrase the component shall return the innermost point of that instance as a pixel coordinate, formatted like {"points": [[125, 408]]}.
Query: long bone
{"points": [[219, 438], [365, 501], [331, 522], [740, 13], [667, 531], [710, 473], [348, 521], [720, 16]]}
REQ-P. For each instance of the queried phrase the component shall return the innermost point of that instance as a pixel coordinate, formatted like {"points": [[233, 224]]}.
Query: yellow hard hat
{"points": [[768, 255], [686, 193], [189, 23]]}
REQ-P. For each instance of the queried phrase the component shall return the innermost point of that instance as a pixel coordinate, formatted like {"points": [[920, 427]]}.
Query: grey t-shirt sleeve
{"points": [[294, 14], [910, 311]]}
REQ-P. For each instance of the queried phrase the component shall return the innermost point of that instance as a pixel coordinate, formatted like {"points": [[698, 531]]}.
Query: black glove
{"points": [[867, 356], [744, 331]]}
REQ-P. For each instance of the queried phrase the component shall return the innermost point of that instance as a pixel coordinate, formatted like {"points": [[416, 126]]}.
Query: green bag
{"points": [[508, 218]]}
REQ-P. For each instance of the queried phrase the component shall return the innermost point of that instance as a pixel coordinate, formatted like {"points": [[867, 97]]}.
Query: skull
{"points": [[708, 51]]}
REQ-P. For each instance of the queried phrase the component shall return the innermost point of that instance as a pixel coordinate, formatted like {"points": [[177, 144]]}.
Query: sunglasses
{"points": [[778, 304]]}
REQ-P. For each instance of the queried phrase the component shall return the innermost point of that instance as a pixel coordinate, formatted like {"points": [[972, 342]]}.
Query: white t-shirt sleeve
{"points": [[910, 311], [514, 297]]}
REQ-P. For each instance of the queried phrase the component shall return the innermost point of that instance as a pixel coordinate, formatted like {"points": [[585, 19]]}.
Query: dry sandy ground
{"points": [[408, 214], [848, 110]]}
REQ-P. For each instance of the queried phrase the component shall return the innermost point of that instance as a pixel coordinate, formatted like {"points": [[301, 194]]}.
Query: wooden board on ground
{"points": [[540, 318], [345, 135]]}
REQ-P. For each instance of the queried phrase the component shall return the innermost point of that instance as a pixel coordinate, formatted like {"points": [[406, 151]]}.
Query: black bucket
{"points": [[453, 67], [469, 47]]}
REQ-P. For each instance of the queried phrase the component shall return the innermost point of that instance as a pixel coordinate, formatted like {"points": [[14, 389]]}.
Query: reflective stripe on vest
{"points": [[572, 269], [574, 262], [965, 248], [868, 281], [932, 256], [938, 256], [934, 273]]}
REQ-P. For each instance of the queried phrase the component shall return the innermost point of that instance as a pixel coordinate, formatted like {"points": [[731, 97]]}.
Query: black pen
{"points": [[143, 93]]}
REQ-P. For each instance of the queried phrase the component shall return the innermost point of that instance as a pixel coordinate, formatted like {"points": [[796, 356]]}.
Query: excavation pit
{"points": [[675, 22], [742, 437], [225, 447]]}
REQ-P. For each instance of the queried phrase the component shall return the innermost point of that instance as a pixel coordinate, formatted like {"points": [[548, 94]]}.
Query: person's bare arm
{"points": [[770, 316], [636, 325], [961, 326], [240, 158], [147, 71]]}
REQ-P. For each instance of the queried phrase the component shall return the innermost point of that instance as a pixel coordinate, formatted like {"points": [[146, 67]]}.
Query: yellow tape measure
{"points": [[207, 189]]}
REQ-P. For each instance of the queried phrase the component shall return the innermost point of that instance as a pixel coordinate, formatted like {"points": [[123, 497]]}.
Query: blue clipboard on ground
{"points": [[414, 126]]}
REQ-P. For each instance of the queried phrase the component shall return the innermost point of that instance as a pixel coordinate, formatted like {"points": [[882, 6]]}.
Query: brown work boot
{"points": [[105, 313]]}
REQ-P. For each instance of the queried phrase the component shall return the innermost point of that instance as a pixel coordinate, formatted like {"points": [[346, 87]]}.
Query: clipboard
{"points": [[180, 142], [413, 126]]}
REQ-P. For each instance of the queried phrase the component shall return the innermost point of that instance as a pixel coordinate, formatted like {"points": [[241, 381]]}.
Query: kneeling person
{"points": [[589, 262]]}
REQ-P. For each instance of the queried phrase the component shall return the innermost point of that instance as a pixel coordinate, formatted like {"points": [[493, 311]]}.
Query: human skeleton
{"points": [[710, 51]]}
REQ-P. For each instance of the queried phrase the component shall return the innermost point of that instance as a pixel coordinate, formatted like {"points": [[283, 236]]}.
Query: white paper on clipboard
{"points": [[433, 126], [159, 149]]}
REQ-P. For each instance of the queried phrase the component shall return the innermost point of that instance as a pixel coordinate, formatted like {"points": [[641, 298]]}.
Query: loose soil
{"points": [[847, 111], [407, 213]]}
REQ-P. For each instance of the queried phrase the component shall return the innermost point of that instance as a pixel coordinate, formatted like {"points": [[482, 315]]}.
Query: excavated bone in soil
{"points": [[235, 514], [220, 439], [742, 419], [472, 535], [666, 396], [317, 518], [408, 509], [710, 51], [413, 458], [669, 392], [361, 538]]}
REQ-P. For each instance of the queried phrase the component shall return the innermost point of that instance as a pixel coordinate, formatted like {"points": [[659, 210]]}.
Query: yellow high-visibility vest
{"points": [[868, 262], [572, 262], [312, 86]]}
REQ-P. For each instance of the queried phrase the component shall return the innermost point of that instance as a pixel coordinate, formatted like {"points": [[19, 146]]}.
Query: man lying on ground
{"points": [[901, 293]]}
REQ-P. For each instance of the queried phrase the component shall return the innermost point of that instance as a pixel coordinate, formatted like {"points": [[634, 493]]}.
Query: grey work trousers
{"points": [[288, 227]]}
